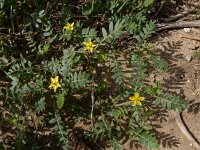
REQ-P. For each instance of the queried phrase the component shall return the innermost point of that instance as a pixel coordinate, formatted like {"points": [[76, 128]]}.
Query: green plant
{"points": [[64, 66]]}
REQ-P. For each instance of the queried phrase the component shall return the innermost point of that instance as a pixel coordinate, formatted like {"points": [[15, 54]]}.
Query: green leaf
{"points": [[168, 101], [117, 71], [53, 38], [158, 63], [41, 13], [102, 56], [79, 79], [87, 9], [111, 27], [104, 33], [52, 121], [114, 31], [89, 33], [40, 105], [47, 33], [60, 100], [148, 3], [39, 20], [147, 139], [46, 47], [1, 3]]}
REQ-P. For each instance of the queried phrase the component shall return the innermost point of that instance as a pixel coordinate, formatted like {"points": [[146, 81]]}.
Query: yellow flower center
{"points": [[89, 46], [136, 99], [54, 83], [69, 26]]}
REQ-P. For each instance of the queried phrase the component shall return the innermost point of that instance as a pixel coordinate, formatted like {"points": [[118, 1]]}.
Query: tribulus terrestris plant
{"points": [[64, 79]]}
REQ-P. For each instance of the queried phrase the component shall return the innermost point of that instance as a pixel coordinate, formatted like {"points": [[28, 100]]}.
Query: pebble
{"points": [[189, 57], [187, 30], [191, 144]]}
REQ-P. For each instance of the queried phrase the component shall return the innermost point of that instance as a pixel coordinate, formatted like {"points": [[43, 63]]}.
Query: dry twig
{"points": [[178, 16], [184, 24], [190, 37], [185, 130]]}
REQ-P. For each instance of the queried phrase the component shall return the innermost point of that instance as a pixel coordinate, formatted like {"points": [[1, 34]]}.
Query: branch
{"points": [[184, 24], [186, 131], [178, 16], [92, 97], [190, 37], [121, 104]]}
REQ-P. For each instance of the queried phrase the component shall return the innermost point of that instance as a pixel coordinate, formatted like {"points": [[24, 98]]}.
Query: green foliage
{"points": [[60, 100], [168, 101], [92, 87], [78, 80], [146, 139], [60, 131], [88, 8], [158, 62], [40, 105], [114, 31], [139, 68], [118, 112], [116, 69], [146, 32], [87, 32]]}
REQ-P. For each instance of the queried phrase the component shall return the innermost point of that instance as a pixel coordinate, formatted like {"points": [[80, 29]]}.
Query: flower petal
{"points": [[54, 88], [136, 94], [58, 85], [52, 80], [140, 98], [131, 98], [139, 103], [56, 79], [51, 85], [133, 103]]}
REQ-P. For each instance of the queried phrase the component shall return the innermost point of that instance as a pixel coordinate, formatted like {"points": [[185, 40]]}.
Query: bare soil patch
{"points": [[182, 78]]}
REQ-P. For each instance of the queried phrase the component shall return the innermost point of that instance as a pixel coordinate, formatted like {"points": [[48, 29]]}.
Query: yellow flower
{"points": [[54, 83], [69, 26], [89, 46], [136, 99]]}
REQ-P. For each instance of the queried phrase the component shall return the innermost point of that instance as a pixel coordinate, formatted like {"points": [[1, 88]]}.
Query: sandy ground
{"points": [[183, 78]]}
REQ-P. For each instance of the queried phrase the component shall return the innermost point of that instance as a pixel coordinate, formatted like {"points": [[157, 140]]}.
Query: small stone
{"points": [[191, 144], [187, 30], [1, 103], [189, 57]]}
